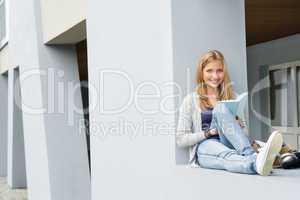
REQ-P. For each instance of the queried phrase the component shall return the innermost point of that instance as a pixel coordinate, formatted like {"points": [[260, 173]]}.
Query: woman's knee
{"points": [[206, 147], [212, 147]]}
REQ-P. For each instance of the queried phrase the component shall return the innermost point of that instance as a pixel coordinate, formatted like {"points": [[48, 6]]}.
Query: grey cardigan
{"points": [[189, 128]]}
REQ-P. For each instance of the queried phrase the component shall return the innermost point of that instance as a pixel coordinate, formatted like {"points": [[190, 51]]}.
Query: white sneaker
{"points": [[266, 156]]}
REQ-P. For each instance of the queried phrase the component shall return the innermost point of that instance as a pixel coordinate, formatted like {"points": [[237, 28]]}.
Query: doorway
{"points": [[82, 58]]}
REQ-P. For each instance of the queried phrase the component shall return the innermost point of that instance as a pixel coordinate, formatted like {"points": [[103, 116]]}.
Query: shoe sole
{"points": [[274, 148]]}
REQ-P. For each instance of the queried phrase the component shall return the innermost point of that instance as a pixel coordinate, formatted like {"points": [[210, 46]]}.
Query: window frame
{"points": [[4, 41]]}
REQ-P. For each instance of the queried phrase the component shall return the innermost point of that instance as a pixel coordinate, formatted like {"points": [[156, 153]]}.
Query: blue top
{"points": [[206, 118]]}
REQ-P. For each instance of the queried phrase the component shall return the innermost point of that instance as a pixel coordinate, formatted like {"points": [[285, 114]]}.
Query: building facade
{"points": [[90, 91]]}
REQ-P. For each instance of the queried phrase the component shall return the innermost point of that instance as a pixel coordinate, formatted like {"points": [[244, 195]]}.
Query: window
{"points": [[3, 23], [285, 100], [281, 93]]}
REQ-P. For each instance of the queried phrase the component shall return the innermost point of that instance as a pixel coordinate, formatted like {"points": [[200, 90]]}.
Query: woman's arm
{"points": [[184, 135]]}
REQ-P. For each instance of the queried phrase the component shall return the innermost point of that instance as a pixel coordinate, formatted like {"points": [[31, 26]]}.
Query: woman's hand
{"points": [[240, 122], [211, 132]]}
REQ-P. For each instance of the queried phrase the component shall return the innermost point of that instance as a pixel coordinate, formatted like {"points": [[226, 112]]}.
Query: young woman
{"points": [[216, 139]]}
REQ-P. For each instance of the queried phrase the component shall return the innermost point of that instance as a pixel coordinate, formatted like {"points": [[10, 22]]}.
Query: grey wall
{"points": [[56, 151], [3, 125], [199, 26], [16, 173], [136, 38], [259, 58]]}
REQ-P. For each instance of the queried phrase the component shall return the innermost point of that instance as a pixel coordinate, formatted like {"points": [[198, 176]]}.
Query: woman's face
{"points": [[213, 74]]}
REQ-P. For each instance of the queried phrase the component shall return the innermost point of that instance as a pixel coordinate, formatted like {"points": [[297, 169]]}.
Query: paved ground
{"points": [[8, 194]]}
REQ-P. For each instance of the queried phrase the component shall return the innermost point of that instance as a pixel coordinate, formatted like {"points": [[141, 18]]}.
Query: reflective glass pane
{"points": [[280, 95], [298, 93]]}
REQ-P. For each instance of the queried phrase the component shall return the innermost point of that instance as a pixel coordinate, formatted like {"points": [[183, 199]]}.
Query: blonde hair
{"points": [[225, 91]]}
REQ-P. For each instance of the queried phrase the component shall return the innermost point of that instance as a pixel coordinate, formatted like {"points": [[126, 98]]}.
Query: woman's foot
{"points": [[267, 155]]}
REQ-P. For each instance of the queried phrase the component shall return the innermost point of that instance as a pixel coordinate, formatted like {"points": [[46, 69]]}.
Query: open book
{"points": [[236, 106]]}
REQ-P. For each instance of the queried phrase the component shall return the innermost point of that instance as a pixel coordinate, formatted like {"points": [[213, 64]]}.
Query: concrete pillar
{"points": [[56, 151], [3, 125], [16, 176], [142, 59], [130, 67]]}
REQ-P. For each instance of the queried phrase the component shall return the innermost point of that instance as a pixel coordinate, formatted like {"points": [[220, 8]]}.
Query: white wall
{"points": [[136, 40], [259, 58], [58, 16], [3, 125], [136, 37]]}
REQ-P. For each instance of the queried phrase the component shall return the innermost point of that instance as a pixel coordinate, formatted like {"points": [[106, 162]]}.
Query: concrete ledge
{"points": [[193, 183]]}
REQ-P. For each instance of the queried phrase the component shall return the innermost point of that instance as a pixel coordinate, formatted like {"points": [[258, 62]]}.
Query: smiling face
{"points": [[213, 74]]}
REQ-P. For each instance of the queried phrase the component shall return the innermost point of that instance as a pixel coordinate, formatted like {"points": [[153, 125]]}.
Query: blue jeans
{"points": [[232, 151]]}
